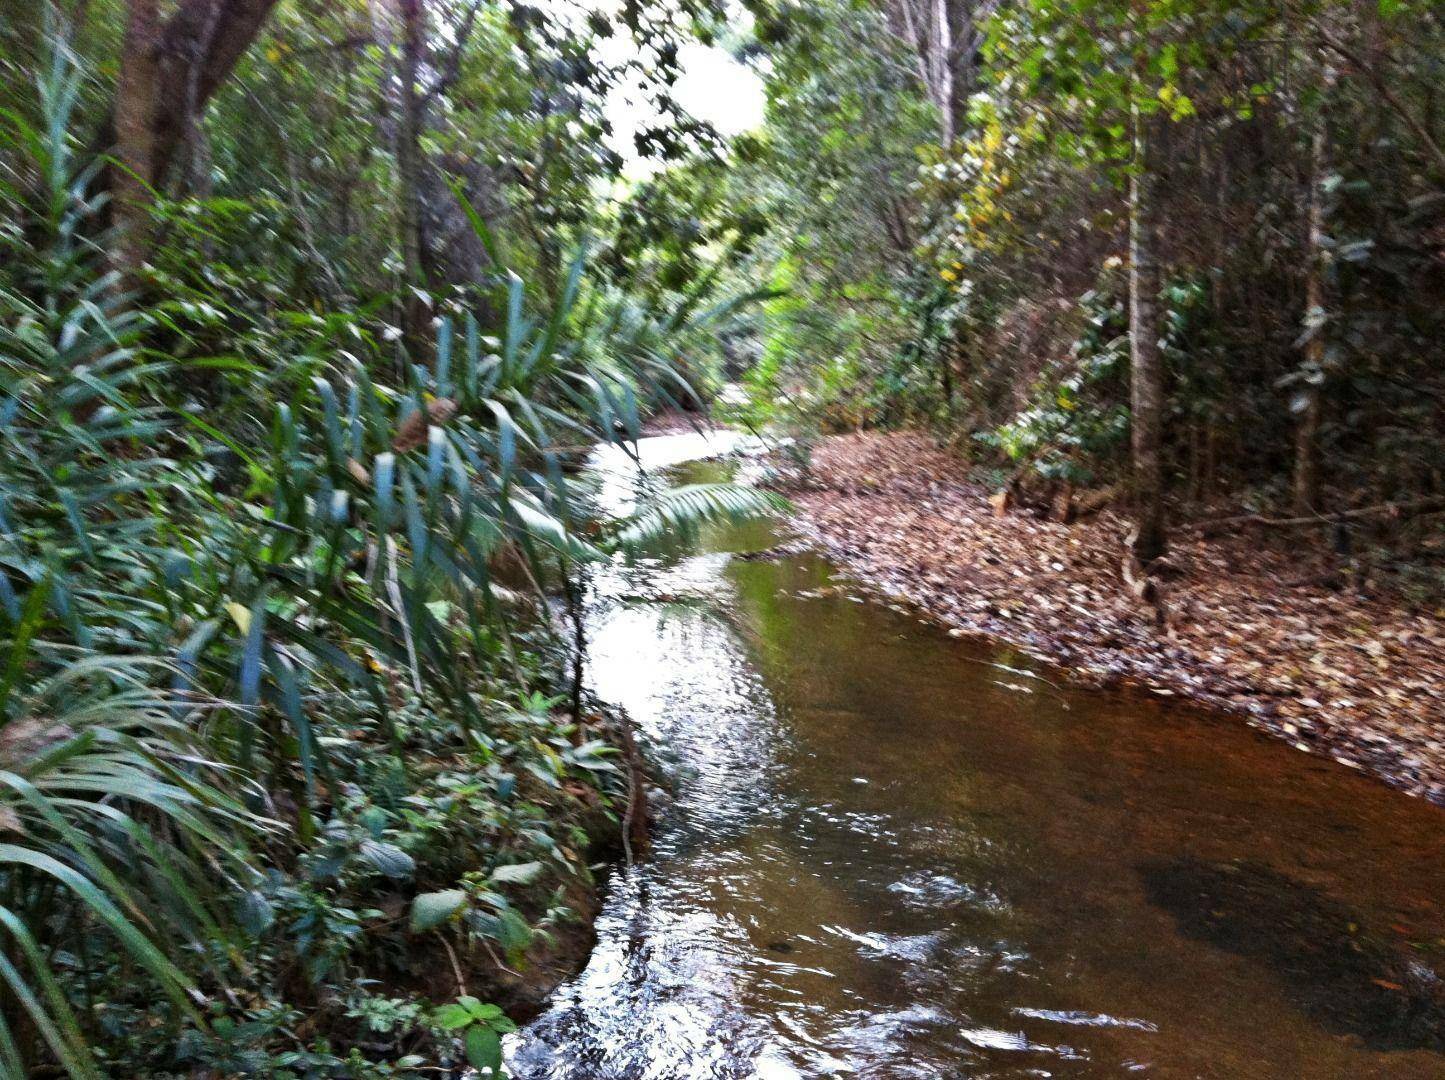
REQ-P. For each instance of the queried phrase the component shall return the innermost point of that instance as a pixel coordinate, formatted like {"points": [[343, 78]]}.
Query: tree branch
{"points": [[1414, 508], [449, 77], [1382, 87], [199, 49]]}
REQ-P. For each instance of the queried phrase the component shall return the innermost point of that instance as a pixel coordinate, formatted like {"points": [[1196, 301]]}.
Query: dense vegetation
{"points": [[297, 777], [310, 310], [963, 186]]}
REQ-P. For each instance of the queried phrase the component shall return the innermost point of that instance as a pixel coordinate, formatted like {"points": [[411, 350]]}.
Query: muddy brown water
{"points": [[895, 855]]}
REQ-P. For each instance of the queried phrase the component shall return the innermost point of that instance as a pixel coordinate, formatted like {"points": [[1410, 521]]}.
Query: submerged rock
{"points": [[1346, 978]]}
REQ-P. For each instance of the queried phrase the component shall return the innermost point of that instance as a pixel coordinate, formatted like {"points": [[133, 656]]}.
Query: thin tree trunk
{"points": [[400, 30], [1146, 372], [135, 135], [942, 65], [1145, 362], [407, 19], [942, 38], [1310, 403], [433, 235], [384, 17], [965, 18], [409, 161]]}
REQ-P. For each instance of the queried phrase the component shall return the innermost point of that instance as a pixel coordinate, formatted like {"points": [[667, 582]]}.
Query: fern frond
{"points": [[682, 512]]}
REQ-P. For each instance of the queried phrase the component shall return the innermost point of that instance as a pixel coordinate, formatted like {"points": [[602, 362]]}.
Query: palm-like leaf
{"points": [[111, 814], [681, 512], [105, 798]]}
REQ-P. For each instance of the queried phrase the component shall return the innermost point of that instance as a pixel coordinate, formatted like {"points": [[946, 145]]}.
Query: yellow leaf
{"points": [[242, 616]]}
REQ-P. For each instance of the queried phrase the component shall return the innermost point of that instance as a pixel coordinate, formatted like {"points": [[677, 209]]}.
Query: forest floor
{"points": [[1359, 680]]}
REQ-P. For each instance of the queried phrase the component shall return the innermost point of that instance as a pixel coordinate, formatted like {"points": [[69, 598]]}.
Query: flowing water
{"points": [[895, 855]]}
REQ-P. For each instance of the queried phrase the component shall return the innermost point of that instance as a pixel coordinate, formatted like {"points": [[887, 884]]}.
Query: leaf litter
{"points": [[1360, 680]]}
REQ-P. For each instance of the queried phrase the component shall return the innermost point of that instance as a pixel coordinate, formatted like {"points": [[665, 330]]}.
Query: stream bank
{"points": [[892, 853], [1355, 680]]}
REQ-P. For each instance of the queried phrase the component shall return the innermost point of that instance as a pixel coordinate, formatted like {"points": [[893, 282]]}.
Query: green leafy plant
{"points": [[1077, 422], [260, 609], [116, 814], [481, 1027]]}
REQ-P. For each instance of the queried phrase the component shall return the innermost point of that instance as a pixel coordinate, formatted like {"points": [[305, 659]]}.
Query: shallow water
{"points": [[895, 855]]}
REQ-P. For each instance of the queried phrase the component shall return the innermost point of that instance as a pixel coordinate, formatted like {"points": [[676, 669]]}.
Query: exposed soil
{"points": [[1357, 679], [675, 422], [524, 991]]}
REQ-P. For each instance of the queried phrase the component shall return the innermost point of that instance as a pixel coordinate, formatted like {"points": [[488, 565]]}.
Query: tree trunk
{"points": [[941, 70], [944, 39], [1146, 368], [410, 163], [965, 18], [203, 43], [135, 135], [438, 245], [945, 376], [197, 51], [400, 29], [168, 75], [1309, 404]]}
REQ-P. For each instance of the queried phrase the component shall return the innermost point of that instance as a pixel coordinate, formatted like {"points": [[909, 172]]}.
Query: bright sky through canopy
{"points": [[713, 87], [717, 88]]}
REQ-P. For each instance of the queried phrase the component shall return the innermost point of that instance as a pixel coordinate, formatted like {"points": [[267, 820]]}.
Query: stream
{"points": [[892, 854]]}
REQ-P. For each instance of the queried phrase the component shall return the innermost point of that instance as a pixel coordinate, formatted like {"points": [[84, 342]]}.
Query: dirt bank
{"points": [[1355, 679]]}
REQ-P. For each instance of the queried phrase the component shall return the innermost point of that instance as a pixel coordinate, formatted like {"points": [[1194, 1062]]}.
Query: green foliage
{"points": [[971, 324], [108, 802], [273, 627], [679, 513], [1078, 420], [110, 795], [832, 177], [481, 1028]]}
